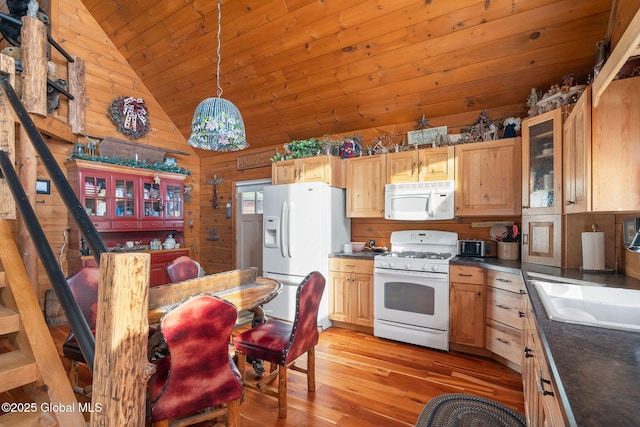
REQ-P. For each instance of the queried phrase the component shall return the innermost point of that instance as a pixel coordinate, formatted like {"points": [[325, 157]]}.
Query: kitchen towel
{"points": [[593, 250]]}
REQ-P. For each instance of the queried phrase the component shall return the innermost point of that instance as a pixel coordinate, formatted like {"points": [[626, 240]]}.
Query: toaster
{"points": [[477, 248]]}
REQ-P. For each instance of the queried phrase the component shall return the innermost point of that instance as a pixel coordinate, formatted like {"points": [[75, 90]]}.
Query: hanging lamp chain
{"points": [[218, 50]]}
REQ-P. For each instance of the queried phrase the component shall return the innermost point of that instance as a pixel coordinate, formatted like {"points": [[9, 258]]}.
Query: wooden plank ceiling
{"points": [[306, 68]]}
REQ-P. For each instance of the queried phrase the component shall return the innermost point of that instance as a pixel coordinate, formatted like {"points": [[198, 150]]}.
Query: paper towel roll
{"points": [[593, 250]]}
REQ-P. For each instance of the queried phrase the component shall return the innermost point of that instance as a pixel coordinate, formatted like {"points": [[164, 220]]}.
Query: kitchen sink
{"points": [[595, 305]]}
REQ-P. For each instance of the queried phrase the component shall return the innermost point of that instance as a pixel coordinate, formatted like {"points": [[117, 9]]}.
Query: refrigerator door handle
{"points": [[283, 229], [290, 236]]}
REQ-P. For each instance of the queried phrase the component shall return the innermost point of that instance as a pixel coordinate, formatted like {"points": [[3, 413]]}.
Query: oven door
{"points": [[412, 298]]}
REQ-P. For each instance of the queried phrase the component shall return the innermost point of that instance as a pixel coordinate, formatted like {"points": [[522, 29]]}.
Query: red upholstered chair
{"points": [[198, 374], [183, 268], [84, 287], [281, 343]]}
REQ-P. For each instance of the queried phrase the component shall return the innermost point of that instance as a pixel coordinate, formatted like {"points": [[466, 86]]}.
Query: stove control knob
{"points": [[434, 267]]}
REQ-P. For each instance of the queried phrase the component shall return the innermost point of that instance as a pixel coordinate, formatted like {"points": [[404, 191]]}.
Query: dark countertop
{"points": [[596, 370]]}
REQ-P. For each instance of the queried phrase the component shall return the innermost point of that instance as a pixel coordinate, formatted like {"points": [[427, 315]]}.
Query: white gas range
{"points": [[411, 288]]}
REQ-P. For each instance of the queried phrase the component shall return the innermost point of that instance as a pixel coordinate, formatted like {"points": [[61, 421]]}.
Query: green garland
{"points": [[133, 163]]}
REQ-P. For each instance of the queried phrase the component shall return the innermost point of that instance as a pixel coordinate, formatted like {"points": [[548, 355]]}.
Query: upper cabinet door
{"points": [[366, 178], [488, 176], [616, 151], [577, 156], [542, 164], [436, 164], [402, 167], [95, 193]]}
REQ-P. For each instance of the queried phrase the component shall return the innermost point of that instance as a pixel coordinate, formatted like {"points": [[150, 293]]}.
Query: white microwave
{"points": [[419, 201]]}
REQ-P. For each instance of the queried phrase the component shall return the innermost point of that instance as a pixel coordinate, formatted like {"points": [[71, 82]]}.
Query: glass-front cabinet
{"points": [[173, 201], [124, 202], [542, 164], [95, 188]]}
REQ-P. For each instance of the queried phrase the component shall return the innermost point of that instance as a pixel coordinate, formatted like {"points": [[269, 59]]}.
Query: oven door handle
{"points": [[404, 273]]}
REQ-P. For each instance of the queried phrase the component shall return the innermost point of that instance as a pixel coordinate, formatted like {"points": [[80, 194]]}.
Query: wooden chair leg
{"points": [[242, 364], [282, 391], [233, 413], [311, 369], [72, 373]]}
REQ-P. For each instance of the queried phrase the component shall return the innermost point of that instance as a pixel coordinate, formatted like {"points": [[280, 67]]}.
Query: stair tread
{"points": [[35, 419], [9, 321], [16, 370]]}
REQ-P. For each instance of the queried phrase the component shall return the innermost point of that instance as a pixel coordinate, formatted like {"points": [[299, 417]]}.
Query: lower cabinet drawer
{"points": [[504, 341], [505, 307]]}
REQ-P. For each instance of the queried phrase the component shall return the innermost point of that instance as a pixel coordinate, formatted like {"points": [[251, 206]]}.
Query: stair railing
{"points": [[84, 336]]}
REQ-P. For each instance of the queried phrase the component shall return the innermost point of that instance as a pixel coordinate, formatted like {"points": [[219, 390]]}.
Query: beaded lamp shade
{"points": [[217, 124]]}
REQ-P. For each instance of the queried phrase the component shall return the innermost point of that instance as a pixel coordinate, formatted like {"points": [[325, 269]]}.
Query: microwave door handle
{"points": [[430, 212]]}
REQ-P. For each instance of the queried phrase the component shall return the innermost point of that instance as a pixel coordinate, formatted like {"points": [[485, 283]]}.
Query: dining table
{"points": [[243, 288], [249, 296]]}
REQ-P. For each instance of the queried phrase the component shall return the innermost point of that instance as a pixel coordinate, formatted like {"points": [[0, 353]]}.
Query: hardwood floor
{"points": [[364, 381]]}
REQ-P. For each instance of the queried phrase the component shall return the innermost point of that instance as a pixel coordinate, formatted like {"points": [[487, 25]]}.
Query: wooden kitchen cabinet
{"points": [[541, 399], [159, 261], [427, 164], [122, 199], [576, 156], [542, 164], [351, 291], [467, 305], [158, 265], [365, 178], [504, 316], [327, 169], [615, 151], [488, 176], [542, 240]]}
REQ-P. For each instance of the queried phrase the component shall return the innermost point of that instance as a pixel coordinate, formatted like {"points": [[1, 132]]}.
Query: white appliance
{"points": [[303, 224], [419, 201], [411, 288]]}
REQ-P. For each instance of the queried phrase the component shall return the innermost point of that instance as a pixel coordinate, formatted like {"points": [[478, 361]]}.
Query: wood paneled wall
{"points": [[219, 255], [108, 76]]}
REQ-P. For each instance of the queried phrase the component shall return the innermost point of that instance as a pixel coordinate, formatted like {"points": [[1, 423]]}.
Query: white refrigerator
{"points": [[303, 224]]}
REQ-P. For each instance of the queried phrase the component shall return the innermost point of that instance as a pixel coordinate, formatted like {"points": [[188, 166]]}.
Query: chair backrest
{"points": [[183, 268], [84, 287], [197, 333], [305, 325]]}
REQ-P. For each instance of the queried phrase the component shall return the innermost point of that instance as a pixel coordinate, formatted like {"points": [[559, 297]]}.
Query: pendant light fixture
{"points": [[217, 124]]}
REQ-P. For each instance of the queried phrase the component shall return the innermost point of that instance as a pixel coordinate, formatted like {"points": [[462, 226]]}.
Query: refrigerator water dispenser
{"points": [[271, 231]]}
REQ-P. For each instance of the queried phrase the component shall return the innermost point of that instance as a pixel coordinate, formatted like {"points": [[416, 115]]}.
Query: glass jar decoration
{"points": [[79, 149]]}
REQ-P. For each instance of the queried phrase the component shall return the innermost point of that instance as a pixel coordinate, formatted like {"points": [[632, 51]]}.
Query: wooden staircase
{"points": [[32, 361]]}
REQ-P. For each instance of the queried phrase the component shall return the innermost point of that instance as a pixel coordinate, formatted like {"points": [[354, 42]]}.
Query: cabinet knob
{"points": [[570, 202], [527, 352], [520, 314]]}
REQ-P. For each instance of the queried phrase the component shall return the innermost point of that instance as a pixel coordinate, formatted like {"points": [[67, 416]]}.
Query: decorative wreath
{"points": [[130, 115]]}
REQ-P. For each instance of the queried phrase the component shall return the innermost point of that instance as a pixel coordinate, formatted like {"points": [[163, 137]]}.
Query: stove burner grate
{"points": [[420, 255]]}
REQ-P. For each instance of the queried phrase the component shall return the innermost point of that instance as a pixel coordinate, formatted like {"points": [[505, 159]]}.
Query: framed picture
{"points": [[629, 228], [43, 186]]}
